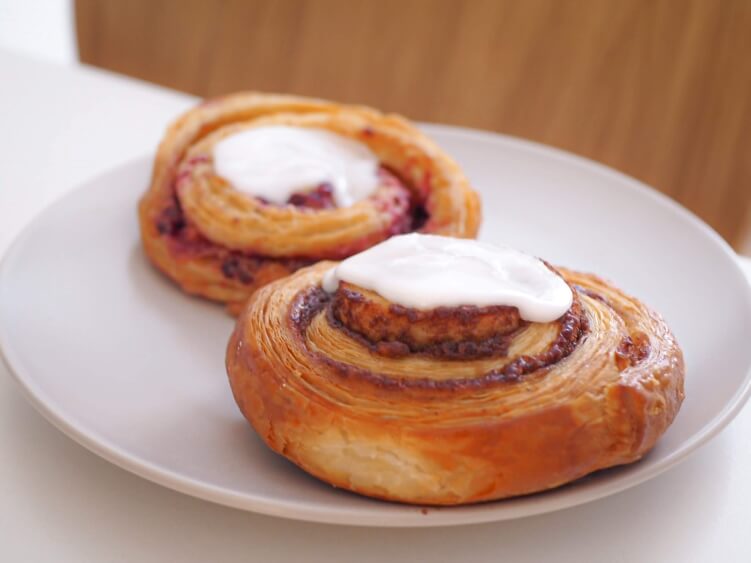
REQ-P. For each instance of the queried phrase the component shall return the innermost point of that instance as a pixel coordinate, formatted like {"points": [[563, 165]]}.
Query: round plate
{"points": [[119, 359]]}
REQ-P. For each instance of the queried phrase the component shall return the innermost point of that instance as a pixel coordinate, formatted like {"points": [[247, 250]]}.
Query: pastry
{"points": [[251, 187], [441, 371]]}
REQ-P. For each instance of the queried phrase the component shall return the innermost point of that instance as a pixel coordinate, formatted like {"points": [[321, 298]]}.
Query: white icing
{"points": [[276, 161], [429, 271]]}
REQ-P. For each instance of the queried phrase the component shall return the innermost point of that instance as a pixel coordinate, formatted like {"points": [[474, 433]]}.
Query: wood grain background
{"points": [[660, 89]]}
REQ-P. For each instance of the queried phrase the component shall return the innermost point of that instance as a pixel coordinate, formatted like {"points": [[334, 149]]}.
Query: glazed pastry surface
{"points": [[222, 243], [453, 405]]}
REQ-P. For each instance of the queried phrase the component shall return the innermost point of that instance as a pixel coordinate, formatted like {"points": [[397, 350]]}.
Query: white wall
{"points": [[39, 28]]}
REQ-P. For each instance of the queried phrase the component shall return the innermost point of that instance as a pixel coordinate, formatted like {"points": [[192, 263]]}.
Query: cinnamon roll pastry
{"points": [[432, 370], [249, 188]]}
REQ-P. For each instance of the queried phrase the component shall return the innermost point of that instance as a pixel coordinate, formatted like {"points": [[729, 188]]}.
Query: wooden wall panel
{"points": [[660, 89]]}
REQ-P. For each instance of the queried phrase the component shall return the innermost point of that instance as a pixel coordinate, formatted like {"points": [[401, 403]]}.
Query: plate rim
{"points": [[403, 517]]}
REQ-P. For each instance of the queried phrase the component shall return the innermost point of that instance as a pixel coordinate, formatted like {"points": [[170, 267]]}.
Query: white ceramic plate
{"points": [[124, 363]]}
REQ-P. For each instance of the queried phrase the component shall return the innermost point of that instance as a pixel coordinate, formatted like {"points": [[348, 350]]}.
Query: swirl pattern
{"points": [[223, 244], [458, 405]]}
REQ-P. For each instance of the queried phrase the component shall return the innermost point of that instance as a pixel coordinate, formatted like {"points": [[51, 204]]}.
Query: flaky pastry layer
{"points": [[591, 390], [222, 244]]}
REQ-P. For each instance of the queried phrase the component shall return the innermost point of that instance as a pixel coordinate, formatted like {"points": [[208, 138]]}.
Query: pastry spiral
{"points": [[454, 405], [219, 243]]}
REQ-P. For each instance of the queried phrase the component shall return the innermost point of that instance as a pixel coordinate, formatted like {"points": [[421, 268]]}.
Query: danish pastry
{"points": [[251, 187], [440, 371]]}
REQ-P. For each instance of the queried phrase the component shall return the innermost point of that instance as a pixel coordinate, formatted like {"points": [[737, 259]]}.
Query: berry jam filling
{"points": [[397, 203], [321, 197]]}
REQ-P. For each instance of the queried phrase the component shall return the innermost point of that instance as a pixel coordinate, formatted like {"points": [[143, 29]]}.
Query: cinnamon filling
{"points": [[573, 325], [632, 350], [447, 332]]}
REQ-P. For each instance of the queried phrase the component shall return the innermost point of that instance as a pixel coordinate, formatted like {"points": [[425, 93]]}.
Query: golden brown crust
{"points": [[195, 227], [423, 429]]}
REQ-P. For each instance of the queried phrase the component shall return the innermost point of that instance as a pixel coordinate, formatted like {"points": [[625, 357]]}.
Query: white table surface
{"points": [[62, 124]]}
